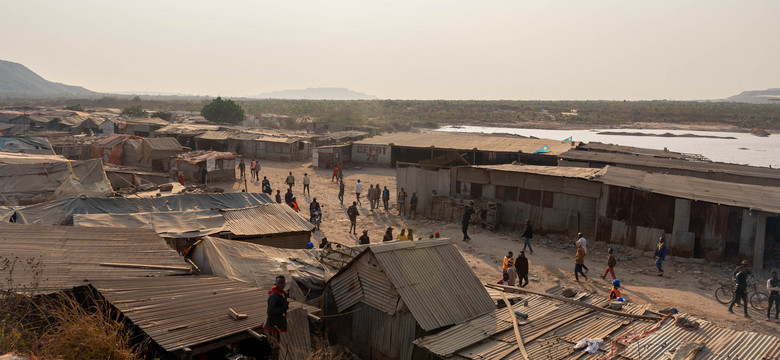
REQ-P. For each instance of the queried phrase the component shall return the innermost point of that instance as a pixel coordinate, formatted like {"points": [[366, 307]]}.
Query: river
{"points": [[745, 148]]}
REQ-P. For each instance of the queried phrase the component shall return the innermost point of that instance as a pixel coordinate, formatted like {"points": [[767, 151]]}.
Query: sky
{"points": [[489, 49]]}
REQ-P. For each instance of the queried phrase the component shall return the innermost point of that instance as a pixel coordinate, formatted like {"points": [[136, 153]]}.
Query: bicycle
{"points": [[757, 299]]}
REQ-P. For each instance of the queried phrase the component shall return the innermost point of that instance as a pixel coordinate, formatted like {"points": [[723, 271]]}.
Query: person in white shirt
{"points": [[358, 190], [306, 182], [584, 243]]}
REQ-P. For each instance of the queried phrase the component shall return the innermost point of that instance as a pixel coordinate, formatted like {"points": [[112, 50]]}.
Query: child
{"points": [[611, 262], [615, 293]]}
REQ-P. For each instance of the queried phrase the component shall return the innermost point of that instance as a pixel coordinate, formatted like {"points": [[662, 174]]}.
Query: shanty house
{"points": [[185, 133], [112, 149], [154, 154], [328, 156], [25, 145], [387, 149], [222, 165], [212, 141], [275, 225], [391, 294], [144, 127], [281, 148]]}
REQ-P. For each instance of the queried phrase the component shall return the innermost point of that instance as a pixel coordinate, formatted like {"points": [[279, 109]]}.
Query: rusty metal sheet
{"points": [[265, 219], [466, 142]]}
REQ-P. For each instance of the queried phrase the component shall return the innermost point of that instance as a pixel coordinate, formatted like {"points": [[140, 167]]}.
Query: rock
{"points": [[166, 187]]}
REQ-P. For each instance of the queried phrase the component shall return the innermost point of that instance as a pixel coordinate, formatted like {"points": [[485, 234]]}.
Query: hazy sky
{"points": [[489, 49]]}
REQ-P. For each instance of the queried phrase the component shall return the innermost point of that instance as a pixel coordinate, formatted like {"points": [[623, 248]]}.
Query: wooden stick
{"points": [[513, 318], [235, 315], [145, 266], [578, 303]]}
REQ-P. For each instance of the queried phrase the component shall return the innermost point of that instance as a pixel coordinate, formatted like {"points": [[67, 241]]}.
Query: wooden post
{"points": [[513, 318]]}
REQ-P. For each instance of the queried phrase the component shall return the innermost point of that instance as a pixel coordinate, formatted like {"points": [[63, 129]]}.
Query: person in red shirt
{"points": [[335, 173], [504, 279]]}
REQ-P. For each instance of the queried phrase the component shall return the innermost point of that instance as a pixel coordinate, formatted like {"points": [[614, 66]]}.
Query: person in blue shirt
{"points": [[660, 254]]}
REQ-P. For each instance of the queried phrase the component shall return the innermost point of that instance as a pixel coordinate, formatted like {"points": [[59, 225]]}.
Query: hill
{"points": [[768, 96], [321, 93], [17, 81]]}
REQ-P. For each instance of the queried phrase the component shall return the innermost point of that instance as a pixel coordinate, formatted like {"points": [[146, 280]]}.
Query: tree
{"points": [[162, 115], [134, 111], [75, 107], [223, 111]]}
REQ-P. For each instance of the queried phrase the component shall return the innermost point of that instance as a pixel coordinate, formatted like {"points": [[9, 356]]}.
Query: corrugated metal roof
{"points": [[559, 171], [597, 146], [264, 220], [661, 163], [65, 256], [163, 144], [186, 129], [766, 198], [464, 142], [276, 139], [213, 135], [197, 156], [553, 327], [169, 224], [421, 271], [185, 311]]}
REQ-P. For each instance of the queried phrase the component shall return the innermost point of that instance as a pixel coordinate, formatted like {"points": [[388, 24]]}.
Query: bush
{"points": [[75, 107], [162, 115], [134, 111], [223, 111]]}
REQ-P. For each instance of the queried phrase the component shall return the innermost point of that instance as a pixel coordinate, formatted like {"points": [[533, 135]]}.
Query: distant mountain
{"points": [[17, 81], [321, 93], [768, 96]]}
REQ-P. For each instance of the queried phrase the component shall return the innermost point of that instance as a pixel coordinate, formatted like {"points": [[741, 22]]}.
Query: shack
{"points": [[212, 141], [275, 225], [112, 150], [325, 157], [185, 133], [281, 148], [154, 154], [25, 145], [220, 165], [393, 293], [143, 127], [387, 149]]}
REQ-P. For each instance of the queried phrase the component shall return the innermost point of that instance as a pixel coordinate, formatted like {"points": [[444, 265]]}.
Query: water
{"points": [[744, 149]]}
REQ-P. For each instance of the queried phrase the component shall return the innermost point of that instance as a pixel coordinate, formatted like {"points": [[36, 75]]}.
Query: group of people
{"points": [[741, 275], [514, 271]]}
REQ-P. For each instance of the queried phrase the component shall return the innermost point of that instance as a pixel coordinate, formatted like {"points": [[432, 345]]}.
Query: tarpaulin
{"points": [[32, 183], [169, 224]]}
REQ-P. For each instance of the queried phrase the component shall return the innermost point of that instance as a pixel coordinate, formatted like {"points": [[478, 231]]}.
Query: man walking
{"points": [[278, 197], [660, 254], [370, 196], [413, 205], [528, 234], [276, 314], [741, 291], [582, 240], [385, 197], [306, 182], [611, 262], [335, 173], [377, 196], [341, 191], [773, 288], [402, 202], [352, 213], [579, 261], [290, 181], [358, 190], [521, 265], [241, 168], [252, 167], [467, 212]]}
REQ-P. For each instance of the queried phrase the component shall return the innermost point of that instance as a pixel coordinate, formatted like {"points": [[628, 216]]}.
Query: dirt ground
{"points": [[689, 287]]}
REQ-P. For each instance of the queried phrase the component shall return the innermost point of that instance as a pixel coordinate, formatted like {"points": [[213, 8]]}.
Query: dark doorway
{"points": [[772, 241]]}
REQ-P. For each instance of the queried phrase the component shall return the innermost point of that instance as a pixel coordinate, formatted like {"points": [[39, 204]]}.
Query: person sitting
{"points": [[388, 234], [504, 279], [324, 243], [402, 236], [615, 293], [294, 204]]}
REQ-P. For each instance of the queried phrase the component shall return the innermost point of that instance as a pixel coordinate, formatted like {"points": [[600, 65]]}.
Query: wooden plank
{"points": [[518, 337], [145, 266]]}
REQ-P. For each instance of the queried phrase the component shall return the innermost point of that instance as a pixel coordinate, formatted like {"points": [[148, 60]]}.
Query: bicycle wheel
{"points": [[759, 301], [724, 295]]}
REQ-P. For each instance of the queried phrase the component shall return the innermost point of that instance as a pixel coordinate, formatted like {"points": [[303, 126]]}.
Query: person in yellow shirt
{"points": [[402, 236], [509, 261]]}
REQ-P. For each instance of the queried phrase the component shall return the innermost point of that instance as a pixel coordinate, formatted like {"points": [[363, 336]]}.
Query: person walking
{"points": [[288, 197], [413, 205], [266, 186], [741, 291], [278, 197], [257, 170], [509, 261], [611, 262], [335, 173], [363, 239], [402, 202], [385, 197], [579, 261], [465, 221], [370, 196], [582, 240], [377, 196], [773, 288], [341, 191], [358, 190], [660, 254], [203, 173], [388, 234], [180, 177], [241, 168], [276, 314], [527, 235], [521, 265], [306, 183], [290, 181], [352, 213], [252, 167]]}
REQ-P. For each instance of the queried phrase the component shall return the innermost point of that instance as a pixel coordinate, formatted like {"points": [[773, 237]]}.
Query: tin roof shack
{"points": [[275, 225], [155, 154], [554, 199], [31, 179], [77, 147], [281, 148], [212, 141], [387, 149], [111, 149], [24, 144], [193, 316], [190, 163], [393, 293], [555, 324], [595, 146], [734, 173], [325, 157], [95, 125], [143, 127], [702, 218], [185, 133], [64, 256], [340, 137], [258, 265]]}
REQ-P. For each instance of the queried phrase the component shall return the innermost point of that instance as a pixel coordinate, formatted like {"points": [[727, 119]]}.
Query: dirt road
{"points": [[689, 287]]}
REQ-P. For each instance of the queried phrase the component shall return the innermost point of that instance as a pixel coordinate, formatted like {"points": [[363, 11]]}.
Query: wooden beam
{"points": [[235, 315], [146, 266], [574, 302], [513, 318]]}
